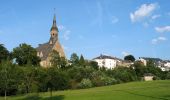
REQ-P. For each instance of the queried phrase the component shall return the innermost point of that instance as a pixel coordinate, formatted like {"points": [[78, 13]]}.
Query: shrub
{"points": [[85, 83]]}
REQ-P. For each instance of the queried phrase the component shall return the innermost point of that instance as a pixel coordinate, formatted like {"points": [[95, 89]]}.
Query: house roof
{"points": [[153, 59], [106, 57], [148, 74]]}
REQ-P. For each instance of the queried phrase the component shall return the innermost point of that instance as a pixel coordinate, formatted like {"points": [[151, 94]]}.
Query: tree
{"points": [[74, 59], [94, 64], [56, 60], [25, 54], [56, 80], [4, 53], [82, 61], [139, 68], [8, 79], [129, 58]]}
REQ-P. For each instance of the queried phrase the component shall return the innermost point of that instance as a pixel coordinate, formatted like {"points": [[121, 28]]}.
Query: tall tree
{"points": [[82, 61], [74, 59], [129, 58], [56, 60], [4, 53], [25, 54], [8, 79]]}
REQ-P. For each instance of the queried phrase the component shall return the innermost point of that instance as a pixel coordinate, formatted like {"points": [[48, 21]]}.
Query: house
{"points": [[156, 61], [44, 50], [166, 65], [124, 63], [148, 77], [108, 62]]}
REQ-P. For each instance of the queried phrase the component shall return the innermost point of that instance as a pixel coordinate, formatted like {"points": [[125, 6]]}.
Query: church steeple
{"points": [[54, 26], [54, 30]]}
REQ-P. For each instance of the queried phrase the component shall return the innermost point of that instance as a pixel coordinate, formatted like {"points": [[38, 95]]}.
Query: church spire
{"points": [[54, 26]]}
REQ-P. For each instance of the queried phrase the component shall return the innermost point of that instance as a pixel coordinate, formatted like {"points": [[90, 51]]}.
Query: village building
{"points": [[148, 77], [44, 50], [108, 62], [157, 61]]}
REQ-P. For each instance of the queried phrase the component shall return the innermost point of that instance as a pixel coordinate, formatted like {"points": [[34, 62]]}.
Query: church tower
{"points": [[54, 31], [44, 50]]}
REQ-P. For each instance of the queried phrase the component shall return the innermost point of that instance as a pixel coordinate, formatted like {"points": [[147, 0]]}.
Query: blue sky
{"points": [[90, 27]]}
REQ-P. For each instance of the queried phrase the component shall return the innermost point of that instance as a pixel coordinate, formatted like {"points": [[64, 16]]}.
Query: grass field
{"points": [[153, 90]]}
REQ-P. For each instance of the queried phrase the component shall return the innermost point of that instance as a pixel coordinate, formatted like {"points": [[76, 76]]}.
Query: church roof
{"points": [[53, 44], [45, 48]]}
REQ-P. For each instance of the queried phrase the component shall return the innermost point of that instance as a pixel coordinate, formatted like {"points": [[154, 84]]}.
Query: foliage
{"points": [[57, 61], [8, 79], [4, 53], [129, 58], [82, 61], [85, 83], [25, 54], [74, 59]]}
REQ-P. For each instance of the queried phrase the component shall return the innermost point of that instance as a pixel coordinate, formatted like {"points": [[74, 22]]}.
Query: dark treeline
{"points": [[20, 72]]}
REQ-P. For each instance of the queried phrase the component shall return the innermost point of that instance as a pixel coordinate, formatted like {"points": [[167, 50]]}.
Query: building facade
{"points": [[106, 61], [44, 50]]}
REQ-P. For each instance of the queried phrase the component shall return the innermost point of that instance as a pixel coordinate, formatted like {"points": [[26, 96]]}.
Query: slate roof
{"points": [[107, 57], [153, 59], [45, 48]]}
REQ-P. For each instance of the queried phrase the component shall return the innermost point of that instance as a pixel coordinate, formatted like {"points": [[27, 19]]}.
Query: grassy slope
{"points": [[155, 90]]}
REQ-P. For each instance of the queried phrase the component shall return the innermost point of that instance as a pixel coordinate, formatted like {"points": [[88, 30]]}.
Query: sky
{"points": [[90, 27]]}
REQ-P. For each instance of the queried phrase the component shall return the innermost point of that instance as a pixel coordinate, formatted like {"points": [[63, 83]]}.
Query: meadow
{"points": [[152, 90]]}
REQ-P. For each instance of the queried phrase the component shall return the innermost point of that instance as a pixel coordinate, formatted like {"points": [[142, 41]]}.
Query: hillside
{"points": [[154, 90]]}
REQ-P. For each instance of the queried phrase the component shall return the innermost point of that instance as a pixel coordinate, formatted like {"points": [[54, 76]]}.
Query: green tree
{"points": [[4, 53], [56, 80], [8, 79], [82, 61], [85, 83], [140, 69], [57, 61], [74, 59], [129, 58], [94, 64], [25, 54]]}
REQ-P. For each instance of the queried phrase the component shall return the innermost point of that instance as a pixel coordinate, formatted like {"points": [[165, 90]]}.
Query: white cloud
{"points": [[163, 29], [157, 40], [114, 19], [66, 34], [61, 27], [162, 38], [124, 53], [155, 16], [144, 11]]}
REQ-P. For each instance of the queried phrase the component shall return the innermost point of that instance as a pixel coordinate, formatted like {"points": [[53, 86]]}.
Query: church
{"points": [[44, 50]]}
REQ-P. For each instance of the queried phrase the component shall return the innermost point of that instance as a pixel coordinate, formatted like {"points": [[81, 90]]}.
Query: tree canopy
{"points": [[129, 58], [25, 54], [4, 53]]}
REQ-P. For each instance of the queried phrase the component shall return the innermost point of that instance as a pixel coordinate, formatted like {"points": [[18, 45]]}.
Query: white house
{"points": [[166, 65], [157, 61], [106, 61], [148, 77]]}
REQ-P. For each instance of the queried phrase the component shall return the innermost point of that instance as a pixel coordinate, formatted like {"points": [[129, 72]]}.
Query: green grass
{"points": [[153, 90]]}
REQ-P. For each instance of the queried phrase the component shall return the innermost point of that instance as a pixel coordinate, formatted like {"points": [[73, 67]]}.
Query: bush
{"points": [[85, 83]]}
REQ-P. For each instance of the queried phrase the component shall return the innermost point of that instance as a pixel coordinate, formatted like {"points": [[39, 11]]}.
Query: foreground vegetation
{"points": [[153, 90], [21, 74]]}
